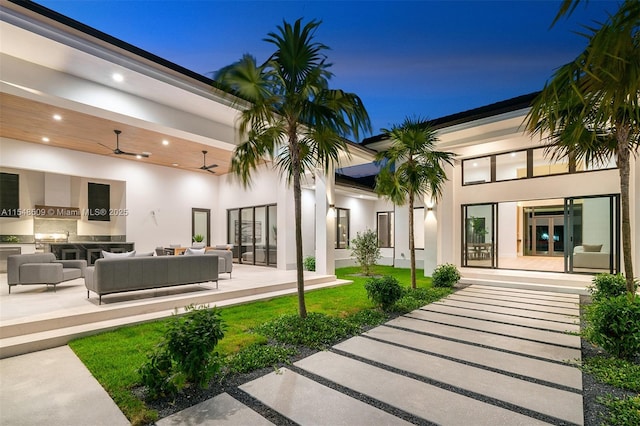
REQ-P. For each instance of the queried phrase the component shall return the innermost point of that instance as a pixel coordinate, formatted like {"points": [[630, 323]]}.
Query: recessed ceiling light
{"points": [[45, 139], [57, 117], [165, 142], [175, 164], [475, 164], [117, 77], [138, 156]]}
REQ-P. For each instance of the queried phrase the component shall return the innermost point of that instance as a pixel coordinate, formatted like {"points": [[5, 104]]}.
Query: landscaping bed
{"points": [[256, 343]]}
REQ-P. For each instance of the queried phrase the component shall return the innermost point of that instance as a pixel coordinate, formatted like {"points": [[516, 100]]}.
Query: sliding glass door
{"points": [[253, 233], [593, 235], [480, 235]]}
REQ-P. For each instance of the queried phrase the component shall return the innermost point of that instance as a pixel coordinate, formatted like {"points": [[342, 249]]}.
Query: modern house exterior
{"points": [[66, 88]]}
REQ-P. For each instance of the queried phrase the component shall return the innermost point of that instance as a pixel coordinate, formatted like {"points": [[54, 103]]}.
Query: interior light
{"points": [[138, 156], [45, 139], [175, 164], [475, 164], [117, 77], [57, 117], [165, 142]]}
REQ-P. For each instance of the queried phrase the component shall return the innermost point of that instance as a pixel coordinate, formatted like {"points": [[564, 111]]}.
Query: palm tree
{"points": [[591, 107], [293, 118], [412, 168]]}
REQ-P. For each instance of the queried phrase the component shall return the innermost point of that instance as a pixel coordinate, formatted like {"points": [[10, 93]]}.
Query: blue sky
{"points": [[403, 58]]}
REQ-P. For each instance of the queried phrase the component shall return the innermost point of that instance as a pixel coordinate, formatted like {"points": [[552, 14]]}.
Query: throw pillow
{"points": [[109, 255], [191, 251], [592, 248], [147, 254]]}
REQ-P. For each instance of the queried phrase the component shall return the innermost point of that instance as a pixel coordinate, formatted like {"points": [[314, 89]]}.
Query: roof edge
{"points": [[497, 108], [116, 42]]}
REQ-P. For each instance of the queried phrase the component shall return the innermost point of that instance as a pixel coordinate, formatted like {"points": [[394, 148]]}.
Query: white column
{"points": [[325, 222], [430, 237]]}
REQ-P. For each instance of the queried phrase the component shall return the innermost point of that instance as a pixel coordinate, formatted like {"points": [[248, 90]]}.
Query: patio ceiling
{"points": [[31, 121]]}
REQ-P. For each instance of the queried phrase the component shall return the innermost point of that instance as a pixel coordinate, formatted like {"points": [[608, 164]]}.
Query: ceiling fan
{"points": [[204, 163], [118, 151]]}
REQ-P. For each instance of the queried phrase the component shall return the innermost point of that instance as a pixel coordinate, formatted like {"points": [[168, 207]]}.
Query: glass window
{"points": [[385, 229], [512, 165], [543, 166], [608, 164], [342, 228], [476, 170]]}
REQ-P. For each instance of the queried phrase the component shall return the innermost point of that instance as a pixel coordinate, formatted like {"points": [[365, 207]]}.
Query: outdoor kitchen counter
{"points": [[87, 250]]}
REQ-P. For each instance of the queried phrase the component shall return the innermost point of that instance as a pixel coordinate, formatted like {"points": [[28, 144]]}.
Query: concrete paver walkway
{"points": [[484, 355], [53, 387]]}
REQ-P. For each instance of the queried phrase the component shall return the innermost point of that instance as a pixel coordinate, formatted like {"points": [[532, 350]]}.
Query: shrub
{"points": [[606, 286], [186, 353], [445, 275], [415, 298], [621, 411], [309, 263], [365, 248], [316, 331], [258, 356], [367, 317], [384, 291], [157, 374], [614, 324]]}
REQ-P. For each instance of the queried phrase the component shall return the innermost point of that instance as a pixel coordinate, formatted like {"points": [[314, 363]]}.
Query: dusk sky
{"points": [[403, 58]]}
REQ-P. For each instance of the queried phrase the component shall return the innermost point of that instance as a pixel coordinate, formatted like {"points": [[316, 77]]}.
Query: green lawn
{"points": [[114, 357]]}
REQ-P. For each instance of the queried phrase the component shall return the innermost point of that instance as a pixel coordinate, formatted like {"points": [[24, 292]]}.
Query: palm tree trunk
{"points": [[297, 202], [623, 155], [412, 243]]}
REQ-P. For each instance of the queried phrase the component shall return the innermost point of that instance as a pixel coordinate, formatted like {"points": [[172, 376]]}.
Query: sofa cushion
{"points": [[41, 273], [109, 255], [71, 273], [592, 248], [146, 254], [194, 251]]}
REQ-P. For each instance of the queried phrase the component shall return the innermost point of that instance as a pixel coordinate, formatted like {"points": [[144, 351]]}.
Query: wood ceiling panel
{"points": [[30, 121]]}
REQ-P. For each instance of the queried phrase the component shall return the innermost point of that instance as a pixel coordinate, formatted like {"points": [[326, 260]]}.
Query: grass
{"points": [[113, 362]]}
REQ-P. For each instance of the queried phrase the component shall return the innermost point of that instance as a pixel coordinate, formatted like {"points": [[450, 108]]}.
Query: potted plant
{"points": [[198, 241]]}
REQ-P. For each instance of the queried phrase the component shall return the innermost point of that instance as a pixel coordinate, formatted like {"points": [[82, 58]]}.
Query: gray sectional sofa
{"points": [[122, 274], [42, 268], [227, 256]]}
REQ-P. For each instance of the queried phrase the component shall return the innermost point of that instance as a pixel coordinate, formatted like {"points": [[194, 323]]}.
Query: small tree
{"points": [[365, 248]]}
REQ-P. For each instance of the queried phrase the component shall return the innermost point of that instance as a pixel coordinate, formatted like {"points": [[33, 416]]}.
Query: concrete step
{"points": [[54, 337], [531, 280], [124, 306]]}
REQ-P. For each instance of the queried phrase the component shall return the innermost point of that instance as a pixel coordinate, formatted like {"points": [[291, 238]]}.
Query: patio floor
{"points": [[34, 317]]}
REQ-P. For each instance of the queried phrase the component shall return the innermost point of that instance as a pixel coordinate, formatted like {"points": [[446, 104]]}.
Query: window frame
{"points": [[529, 175], [390, 220], [338, 244]]}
